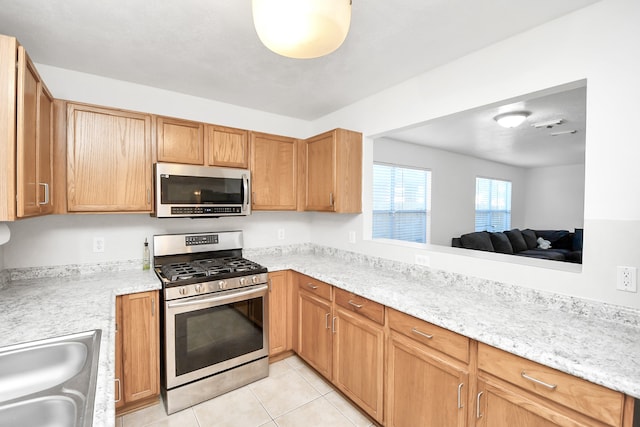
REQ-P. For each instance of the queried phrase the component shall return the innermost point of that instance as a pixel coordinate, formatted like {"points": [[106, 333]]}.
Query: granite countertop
{"points": [[594, 341], [44, 307], [583, 338]]}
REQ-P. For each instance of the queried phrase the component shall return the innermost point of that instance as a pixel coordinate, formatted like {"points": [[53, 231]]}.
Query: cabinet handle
{"points": [[46, 193], [326, 320], [537, 381], [478, 414], [119, 390], [270, 285], [333, 325], [331, 199], [460, 406], [312, 286], [355, 305], [415, 331], [153, 307], [148, 196]]}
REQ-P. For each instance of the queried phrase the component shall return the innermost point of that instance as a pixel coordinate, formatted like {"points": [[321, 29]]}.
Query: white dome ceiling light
{"points": [[512, 119], [302, 29]]}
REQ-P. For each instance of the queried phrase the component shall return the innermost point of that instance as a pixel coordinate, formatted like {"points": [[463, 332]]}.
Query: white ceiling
{"points": [[475, 132], [208, 48]]}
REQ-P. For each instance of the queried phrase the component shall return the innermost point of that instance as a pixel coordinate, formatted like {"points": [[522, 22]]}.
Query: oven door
{"points": [[208, 334]]}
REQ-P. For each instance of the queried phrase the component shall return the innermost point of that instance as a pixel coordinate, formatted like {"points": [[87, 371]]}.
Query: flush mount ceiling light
{"points": [[512, 119], [302, 29]]}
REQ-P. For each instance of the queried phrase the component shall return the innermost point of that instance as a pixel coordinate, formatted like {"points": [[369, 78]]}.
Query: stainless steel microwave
{"points": [[201, 191]]}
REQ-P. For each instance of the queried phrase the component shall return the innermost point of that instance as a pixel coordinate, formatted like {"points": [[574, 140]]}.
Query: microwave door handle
{"points": [[245, 187]]}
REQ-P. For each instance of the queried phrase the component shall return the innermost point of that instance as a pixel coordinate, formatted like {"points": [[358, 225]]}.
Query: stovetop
{"points": [[208, 269]]}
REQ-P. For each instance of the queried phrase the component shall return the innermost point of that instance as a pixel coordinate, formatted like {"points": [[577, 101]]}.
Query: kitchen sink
{"points": [[50, 382]]}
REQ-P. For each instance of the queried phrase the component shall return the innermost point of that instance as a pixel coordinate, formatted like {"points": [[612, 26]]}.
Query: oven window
{"points": [[213, 335], [177, 189]]}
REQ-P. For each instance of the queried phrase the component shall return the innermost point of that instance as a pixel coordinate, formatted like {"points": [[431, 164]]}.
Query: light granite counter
{"points": [[33, 307], [597, 342]]}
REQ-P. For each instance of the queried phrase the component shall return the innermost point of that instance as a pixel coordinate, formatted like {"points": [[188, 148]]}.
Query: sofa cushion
{"points": [[517, 240], [560, 239], [542, 254], [501, 243], [530, 238], [577, 239], [479, 240]]}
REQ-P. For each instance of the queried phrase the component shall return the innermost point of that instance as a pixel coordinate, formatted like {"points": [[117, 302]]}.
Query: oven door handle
{"points": [[219, 298]]}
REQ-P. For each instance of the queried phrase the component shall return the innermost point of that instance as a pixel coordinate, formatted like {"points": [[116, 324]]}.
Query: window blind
{"points": [[493, 205]]}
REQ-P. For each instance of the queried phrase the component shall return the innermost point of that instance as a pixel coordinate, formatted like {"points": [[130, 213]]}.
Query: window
{"points": [[493, 205], [401, 203]]}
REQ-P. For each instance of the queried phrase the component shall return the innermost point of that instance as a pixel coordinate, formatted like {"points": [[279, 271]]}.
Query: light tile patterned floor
{"points": [[293, 395]]}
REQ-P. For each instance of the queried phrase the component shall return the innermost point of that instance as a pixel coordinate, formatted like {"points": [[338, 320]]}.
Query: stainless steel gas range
{"points": [[215, 320]]}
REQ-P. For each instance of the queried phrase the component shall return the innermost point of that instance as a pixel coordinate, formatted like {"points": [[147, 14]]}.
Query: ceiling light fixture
{"points": [[512, 119], [302, 29], [548, 123]]}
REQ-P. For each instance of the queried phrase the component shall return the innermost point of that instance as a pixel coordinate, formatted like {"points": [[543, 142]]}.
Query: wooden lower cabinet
{"points": [[315, 341], [358, 360], [280, 304], [425, 388], [137, 373]]}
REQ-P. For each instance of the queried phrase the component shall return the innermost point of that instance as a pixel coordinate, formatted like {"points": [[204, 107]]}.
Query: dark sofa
{"points": [[565, 245]]}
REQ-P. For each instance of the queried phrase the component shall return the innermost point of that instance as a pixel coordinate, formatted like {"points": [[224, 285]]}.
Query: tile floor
{"points": [[293, 395]]}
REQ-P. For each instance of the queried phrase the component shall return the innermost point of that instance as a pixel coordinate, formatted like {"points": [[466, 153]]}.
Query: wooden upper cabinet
{"points": [[179, 141], [273, 172], [333, 172], [108, 160], [227, 147], [26, 143]]}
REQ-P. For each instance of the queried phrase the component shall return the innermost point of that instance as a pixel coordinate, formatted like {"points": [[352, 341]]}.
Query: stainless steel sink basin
{"points": [[49, 382]]}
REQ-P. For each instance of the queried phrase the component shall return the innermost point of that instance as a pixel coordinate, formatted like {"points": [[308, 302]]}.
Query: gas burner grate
{"points": [[182, 271]]}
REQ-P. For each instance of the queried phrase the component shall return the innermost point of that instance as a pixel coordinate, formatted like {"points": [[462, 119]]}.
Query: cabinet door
{"points": [[119, 398], [503, 405], [279, 312], [358, 349], [273, 172], [108, 160], [320, 170], [314, 332], [27, 133], [227, 147], [34, 141], [140, 349], [180, 141], [424, 389]]}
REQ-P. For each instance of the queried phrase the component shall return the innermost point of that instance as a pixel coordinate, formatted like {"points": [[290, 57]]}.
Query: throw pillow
{"points": [[479, 240], [530, 238], [517, 240], [501, 243]]}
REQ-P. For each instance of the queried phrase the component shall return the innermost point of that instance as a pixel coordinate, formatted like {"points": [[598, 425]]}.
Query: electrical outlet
{"points": [[423, 260], [627, 279], [98, 244], [352, 236], [280, 233]]}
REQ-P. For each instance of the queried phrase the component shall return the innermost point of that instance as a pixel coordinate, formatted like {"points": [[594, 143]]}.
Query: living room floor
{"points": [[292, 395]]}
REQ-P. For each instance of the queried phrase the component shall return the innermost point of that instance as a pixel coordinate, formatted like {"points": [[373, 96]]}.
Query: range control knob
{"points": [[199, 288], [182, 291], [222, 284], [254, 279], [243, 281]]}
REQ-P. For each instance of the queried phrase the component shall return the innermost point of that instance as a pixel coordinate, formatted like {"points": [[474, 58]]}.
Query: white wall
{"points": [[68, 239], [555, 198], [599, 43], [453, 185]]}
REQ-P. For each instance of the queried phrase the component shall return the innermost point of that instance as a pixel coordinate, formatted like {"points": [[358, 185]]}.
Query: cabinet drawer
{"points": [[582, 396], [314, 286], [369, 309], [441, 339]]}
